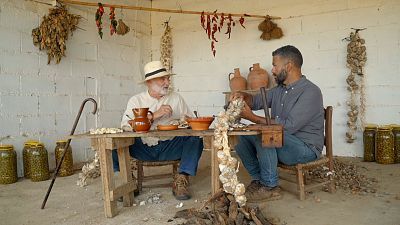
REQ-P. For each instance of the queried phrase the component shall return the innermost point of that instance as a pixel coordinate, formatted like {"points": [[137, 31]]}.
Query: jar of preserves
{"points": [[369, 142], [384, 152], [67, 166], [39, 162], [396, 136], [25, 157], [8, 164]]}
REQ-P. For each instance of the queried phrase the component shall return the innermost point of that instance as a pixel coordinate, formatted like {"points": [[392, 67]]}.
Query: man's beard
{"points": [[281, 77], [160, 90]]}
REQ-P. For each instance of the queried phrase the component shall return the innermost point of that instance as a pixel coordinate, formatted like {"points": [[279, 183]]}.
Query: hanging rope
{"points": [[72, 2]]}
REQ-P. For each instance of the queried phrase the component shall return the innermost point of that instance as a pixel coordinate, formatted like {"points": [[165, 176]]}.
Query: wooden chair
{"points": [[141, 177], [301, 170]]}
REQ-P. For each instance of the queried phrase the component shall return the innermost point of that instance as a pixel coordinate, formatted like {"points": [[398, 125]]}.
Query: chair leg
{"points": [[300, 183], [174, 169], [140, 175]]}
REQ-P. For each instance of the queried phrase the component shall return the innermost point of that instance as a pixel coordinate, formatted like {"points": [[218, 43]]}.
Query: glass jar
{"points": [[369, 143], [67, 166], [384, 153], [25, 157], [8, 164], [38, 163], [396, 136]]}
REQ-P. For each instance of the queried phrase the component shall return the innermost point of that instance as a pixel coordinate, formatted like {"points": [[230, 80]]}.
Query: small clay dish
{"points": [[167, 127], [200, 123]]}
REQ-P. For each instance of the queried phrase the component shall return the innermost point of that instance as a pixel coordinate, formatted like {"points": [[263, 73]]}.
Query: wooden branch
{"points": [[73, 2]]}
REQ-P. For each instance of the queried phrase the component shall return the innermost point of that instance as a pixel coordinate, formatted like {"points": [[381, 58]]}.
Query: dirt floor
{"points": [[70, 204]]}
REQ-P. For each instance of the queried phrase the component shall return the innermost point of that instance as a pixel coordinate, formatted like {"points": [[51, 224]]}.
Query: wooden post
{"points": [[215, 183], [125, 173]]}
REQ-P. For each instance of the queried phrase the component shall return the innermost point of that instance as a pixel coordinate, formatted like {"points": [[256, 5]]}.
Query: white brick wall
{"points": [[316, 28], [40, 101]]}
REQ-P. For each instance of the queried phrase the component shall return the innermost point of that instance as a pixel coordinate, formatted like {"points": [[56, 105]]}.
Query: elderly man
{"points": [[166, 106], [296, 103]]}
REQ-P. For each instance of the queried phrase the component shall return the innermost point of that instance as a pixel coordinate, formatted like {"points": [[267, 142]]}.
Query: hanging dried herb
{"points": [[214, 23], [54, 31], [113, 22], [166, 47], [98, 15], [270, 30], [122, 28]]}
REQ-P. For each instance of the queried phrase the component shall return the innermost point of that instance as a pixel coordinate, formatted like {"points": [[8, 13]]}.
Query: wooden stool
{"points": [[141, 177], [302, 169]]}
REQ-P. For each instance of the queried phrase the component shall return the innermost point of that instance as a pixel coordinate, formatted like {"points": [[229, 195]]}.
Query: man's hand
{"points": [[247, 113], [248, 98], [164, 110]]}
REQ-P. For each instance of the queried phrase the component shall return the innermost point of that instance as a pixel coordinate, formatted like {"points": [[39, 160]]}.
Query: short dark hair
{"points": [[290, 52]]}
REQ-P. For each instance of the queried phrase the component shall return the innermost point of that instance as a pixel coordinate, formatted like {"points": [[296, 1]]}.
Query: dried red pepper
{"points": [[113, 23], [241, 21], [98, 15], [203, 20]]}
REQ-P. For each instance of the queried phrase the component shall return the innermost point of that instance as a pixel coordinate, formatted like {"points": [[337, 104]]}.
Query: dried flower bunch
{"points": [[54, 31], [122, 28], [270, 30], [229, 165], [213, 23], [356, 59], [166, 47]]}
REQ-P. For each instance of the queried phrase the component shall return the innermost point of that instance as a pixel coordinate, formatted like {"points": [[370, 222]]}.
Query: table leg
{"points": [[107, 175], [215, 183], [125, 173]]}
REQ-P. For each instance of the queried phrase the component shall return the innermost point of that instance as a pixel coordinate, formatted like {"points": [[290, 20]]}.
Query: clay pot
{"points": [[237, 82], [141, 124], [200, 123], [257, 77]]}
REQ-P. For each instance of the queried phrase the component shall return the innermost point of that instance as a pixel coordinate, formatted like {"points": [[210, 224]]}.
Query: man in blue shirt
{"points": [[296, 103]]}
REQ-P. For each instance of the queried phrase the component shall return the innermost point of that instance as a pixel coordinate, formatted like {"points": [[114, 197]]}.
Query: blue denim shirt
{"points": [[299, 108]]}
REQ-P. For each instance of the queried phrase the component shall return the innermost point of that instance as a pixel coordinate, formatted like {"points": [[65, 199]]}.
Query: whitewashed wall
{"points": [[40, 101], [316, 27]]}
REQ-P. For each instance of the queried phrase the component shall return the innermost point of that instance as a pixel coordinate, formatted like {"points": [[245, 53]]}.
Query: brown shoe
{"points": [[254, 185], [263, 193], [180, 187]]}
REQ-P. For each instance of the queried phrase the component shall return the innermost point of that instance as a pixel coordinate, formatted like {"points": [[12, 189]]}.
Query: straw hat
{"points": [[154, 69]]}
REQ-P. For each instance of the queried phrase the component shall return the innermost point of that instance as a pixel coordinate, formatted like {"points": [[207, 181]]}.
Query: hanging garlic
{"points": [[89, 170], [166, 48], [356, 59], [228, 165]]}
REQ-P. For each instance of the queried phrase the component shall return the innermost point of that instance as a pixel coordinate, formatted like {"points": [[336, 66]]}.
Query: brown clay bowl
{"points": [[200, 123], [167, 127]]}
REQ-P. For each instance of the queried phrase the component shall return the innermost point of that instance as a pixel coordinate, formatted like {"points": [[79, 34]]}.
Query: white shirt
{"points": [[144, 100]]}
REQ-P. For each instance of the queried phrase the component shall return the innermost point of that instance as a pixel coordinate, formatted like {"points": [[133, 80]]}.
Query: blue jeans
{"points": [[261, 163], [187, 149]]}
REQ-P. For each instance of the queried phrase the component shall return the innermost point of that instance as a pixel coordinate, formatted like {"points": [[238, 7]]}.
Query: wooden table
{"points": [[105, 143]]}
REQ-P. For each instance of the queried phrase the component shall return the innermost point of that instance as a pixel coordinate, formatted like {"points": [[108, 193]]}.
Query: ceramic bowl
{"points": [[200, 123], [167, 127]]}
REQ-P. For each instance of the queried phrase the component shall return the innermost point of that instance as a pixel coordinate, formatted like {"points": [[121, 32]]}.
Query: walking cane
{"points": [[66, 147]]}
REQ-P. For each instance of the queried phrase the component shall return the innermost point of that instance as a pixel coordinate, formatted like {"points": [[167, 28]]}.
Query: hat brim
{"points": [[163, 74]]}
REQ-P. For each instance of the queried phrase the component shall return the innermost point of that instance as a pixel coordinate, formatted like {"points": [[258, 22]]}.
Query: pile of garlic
{"points": [[356, 59], [105, 130], [90, 170], [229, 165]]}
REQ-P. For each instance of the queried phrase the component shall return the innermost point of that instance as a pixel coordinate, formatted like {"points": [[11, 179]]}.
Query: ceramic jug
{"points": [[257, 77], [237, 82], [141, 124]]}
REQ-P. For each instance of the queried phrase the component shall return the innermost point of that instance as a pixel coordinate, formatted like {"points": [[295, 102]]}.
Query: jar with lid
{"points": [[67, 166], [8, 164], [25, 157], [396, 136], [39, 162], [369, 142], [384, 152]]}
